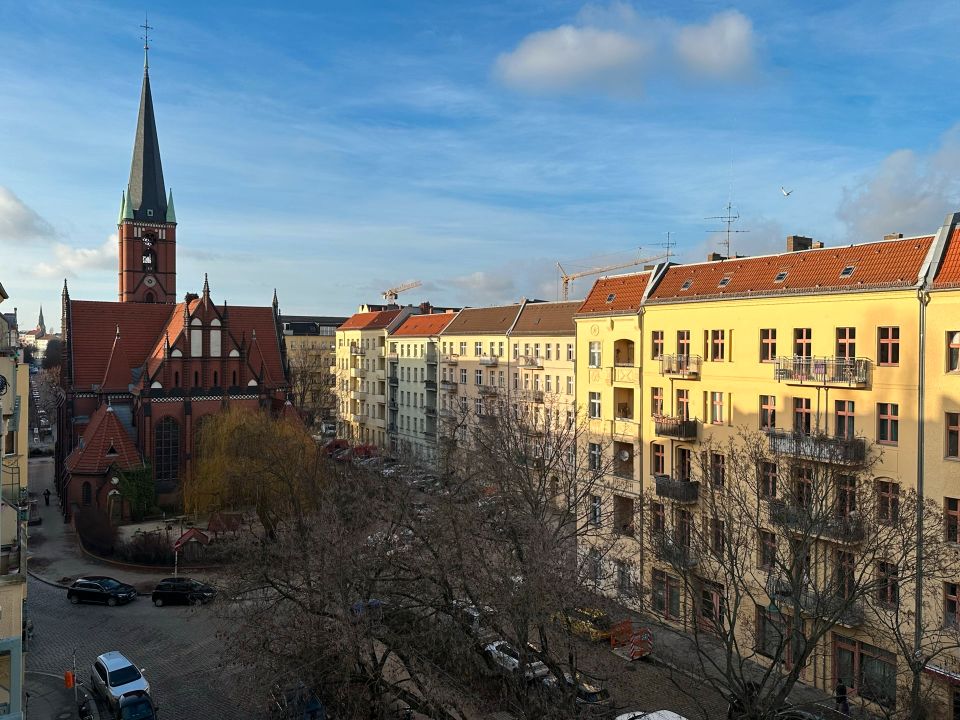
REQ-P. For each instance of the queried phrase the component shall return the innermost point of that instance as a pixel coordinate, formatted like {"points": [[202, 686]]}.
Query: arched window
{"points": [[196, 338], [150, 297], [214, 338], [86, 494], [166, 455], [149, 260]]}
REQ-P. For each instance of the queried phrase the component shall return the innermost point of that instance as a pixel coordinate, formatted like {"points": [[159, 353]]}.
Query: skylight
{"points": [[724, 281], [686, 284], [781, 276], [610, 297], [847, 271]]}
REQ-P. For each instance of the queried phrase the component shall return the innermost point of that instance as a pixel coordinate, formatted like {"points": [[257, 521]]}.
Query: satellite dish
{"points": [[624, 455]]}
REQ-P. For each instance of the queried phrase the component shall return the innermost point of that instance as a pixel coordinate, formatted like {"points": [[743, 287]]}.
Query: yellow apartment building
{"points": [[311, 356]]}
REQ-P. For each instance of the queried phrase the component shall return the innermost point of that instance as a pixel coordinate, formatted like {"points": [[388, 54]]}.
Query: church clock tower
{"points": [[147, 226]]}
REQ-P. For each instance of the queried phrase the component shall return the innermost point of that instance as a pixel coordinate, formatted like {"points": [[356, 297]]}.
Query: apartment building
{"points": [[311, 343], [14, 439], [413, 359], [361, 374]]}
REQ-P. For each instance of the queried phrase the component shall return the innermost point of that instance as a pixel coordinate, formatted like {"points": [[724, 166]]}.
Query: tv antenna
{"points": [[668, 246], [728, 219]]}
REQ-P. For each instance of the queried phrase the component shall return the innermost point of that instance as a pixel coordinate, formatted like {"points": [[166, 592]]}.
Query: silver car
{"points": [[113, 675]]}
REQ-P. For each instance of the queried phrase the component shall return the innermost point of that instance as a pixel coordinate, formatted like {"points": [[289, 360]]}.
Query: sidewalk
{"points": [[55, 556], [50, 700]]}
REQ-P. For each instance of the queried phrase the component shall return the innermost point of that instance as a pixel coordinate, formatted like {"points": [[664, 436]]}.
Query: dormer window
{"points": [[847, 271], [112, 452], [686, 284], [781, 276]]}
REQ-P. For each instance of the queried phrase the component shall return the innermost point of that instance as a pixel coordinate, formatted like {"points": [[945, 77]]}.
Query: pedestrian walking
{"points": [[840, 695], [46, 497]]}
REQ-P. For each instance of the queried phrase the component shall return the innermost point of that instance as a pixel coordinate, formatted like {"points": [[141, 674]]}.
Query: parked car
{"points": [[651, 715], [100, 589], [113, 676], [589, 696], [182, 591], [587, 622], [136, 705], [504, 657]]}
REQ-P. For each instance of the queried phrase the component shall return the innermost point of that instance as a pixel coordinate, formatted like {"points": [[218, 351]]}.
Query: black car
{"points": [[136, 705], [100, 589], [182, 591]]}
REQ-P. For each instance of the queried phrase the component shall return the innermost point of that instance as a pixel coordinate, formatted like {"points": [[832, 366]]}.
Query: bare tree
{"points": [[311, 384]]}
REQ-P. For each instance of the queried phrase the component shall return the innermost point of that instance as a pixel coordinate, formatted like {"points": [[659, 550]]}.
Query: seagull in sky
{"points": [[786, 193]]}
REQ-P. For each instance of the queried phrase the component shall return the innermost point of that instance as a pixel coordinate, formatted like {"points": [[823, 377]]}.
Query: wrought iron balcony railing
{"points": [[675, 427], [832, 371], [683, 365], [818, 447], [683, 491]]}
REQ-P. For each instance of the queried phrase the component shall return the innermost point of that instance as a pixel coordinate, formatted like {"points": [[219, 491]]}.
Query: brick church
{"points": [[139, 375]]}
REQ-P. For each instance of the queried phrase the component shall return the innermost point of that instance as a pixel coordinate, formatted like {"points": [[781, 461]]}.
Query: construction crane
{"points": [[568, 278], [391, 295]]}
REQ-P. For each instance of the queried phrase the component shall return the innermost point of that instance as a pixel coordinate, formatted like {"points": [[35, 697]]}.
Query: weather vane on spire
{"points": [[146, 41]]}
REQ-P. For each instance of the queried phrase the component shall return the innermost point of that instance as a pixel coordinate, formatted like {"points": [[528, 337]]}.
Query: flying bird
{"points": [[786, 193]]}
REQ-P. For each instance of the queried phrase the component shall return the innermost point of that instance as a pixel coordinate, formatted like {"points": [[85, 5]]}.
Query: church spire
{"points": [[40, 324], [145, 191]]}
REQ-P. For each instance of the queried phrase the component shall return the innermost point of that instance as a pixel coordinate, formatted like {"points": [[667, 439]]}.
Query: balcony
{"points": [[448, 385], [677, 554], [392, 357], [681, 491], [357, 350], [449, 359], [489, 361], [817, 523], [531, 362], [811, 602], [536, 396], [626, 374], [487, 419], [393, 405], [394, 381], [430, 412], [392, 428], [687, 366], [431, 357], [358, 395], [448, 413], [824, 371], [675, 427], [358, 372], [820, 448], [487, 389], [430, 385]]}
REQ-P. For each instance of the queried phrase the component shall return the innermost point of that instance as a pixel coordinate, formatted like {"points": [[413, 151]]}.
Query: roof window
{"points": [[847, 271], [610, 297], [781, 276], [686, 284], [724, 281]]}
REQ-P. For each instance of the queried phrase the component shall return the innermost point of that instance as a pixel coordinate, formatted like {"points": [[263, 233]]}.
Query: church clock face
{"points": [[148, 242], [150, 281]]}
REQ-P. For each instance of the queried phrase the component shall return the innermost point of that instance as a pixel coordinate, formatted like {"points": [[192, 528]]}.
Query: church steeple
{"points": [[145, 190], [40, 324]]}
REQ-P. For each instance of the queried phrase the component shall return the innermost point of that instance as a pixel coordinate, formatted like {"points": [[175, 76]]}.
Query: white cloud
{"points": [[721, 48], [70, 261], [18, 222], [908, 193], [612, 48], [570, 58]]}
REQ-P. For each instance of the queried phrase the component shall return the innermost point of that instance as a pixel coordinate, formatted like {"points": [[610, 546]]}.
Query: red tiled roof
{"points": [[260, 319], [117, 376], [885, 264], [105, 442], [424, 325], [619, 294], [948, 274], [370, 320]]}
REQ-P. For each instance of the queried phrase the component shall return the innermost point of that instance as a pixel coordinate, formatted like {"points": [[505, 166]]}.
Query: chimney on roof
{"points": [[715, 256], [893, 236], [802, 242]]}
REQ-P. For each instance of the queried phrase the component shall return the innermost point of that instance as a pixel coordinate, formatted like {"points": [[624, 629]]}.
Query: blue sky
{"points": [[332, 150]]}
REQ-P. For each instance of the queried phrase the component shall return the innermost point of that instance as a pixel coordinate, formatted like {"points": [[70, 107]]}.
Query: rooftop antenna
{"points": [[146, 41], [668, 246], [728, 219]]}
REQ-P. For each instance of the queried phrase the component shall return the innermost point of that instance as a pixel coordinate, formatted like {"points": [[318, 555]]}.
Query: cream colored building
{"points": [[14, 440], [311, 343]]}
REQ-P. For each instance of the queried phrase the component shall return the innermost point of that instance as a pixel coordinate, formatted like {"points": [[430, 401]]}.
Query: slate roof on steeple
{"points": [[145, 191]]}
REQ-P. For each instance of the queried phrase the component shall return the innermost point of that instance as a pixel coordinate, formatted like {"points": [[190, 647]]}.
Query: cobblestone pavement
{"points": [[176, 646]]}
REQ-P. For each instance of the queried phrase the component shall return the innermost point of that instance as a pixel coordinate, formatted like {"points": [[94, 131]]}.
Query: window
{"points": [[768, 480], [594, 359], [477, 407], [686, 284], [624, 584], [656, 401], [768, 550], [768, 345], [717, 469], [549, 385], [477, 348], [888, 584], [846, 343], [656, 344], [888, 339], [549, 349], [869, 671], [888, 423], [478, 377], [594, 405], [847, 271], [768, 412], [658, 463], [463, 376], [682, 527], [516, 351], [569, 384], [844, 426], [596, 505], [463, 348], [570, 352], [167, 455], [953, 351], [683, 404], [952, 511], [712, 606], [717, 345], [803, 342], [845, 573], [665, 595], [499, 349], [611, 297], [724, 281], [803, 487], [802, 416], [780, 276], [951, 603], [594, 566], [683, 343], [658, 522], [846, 496], [718, 535], [684, 464], [888, 501], [86, 494], [716, 408], [953, 436], [593, 455]]}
